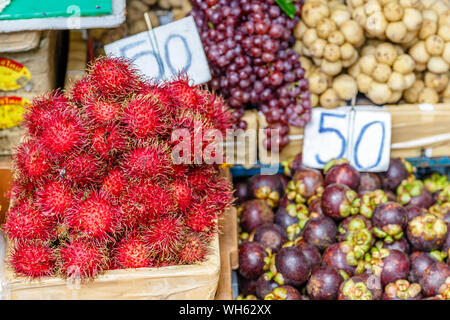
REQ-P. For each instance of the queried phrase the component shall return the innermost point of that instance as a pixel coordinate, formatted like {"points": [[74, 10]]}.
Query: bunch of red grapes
{"points": [[248, 44]]}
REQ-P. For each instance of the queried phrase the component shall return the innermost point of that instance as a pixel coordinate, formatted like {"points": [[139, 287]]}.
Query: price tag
{"points": [[361, 136], [177, 48]]}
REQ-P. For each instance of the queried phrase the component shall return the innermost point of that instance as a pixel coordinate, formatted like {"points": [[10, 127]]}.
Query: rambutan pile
{"points": [[97, 185]]}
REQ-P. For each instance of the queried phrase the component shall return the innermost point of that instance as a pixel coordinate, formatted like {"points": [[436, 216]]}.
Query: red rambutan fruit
{"points": [[32, 159], [81, 92], [158, 92], [54, 198], [64, 133], [101, 111], [145, 201], [194, 249], [26, 222], [132, 252], [192, 133], [218, 195], [20, 189], [41, 111], [33, 259], [199, 178], [115, 182], [82, 259], [94, 216], [163, 236], [146, 116], [82, 169], [183, 95], [108, 140], [216, 110], [182, 193], [150, 161], [113, 77], [202, 219]]}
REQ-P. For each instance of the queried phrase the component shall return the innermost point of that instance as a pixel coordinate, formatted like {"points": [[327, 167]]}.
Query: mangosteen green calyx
{"points": [[402, 290], [266, 187], [389, 221], [427, 232], [413, 192], [304, 184], [361, 287], [370, 201], [339, 201]]}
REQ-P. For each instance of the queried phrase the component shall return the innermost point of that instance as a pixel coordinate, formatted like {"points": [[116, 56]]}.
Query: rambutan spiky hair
{"points": [[108, 141], [33, 259], [94, 216], [183, 95], [151, 160], [146, 116], [82, 259], [55, 198], [144, 201], [102, 111], [33, 160], [82, 92], [40, 113], [26, 222], [132, 252], [163, 236], [194, 249], [64, 133], [82, 168], [115, 182], [113, 78]]}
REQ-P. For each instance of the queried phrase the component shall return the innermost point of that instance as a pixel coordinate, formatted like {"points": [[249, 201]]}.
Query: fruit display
{"points": [[395, 51], [249, 48], [96, 185], [340, 234]]}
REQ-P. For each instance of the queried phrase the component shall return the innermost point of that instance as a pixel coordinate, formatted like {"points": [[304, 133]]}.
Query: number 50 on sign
{"points": [[362, 137]]}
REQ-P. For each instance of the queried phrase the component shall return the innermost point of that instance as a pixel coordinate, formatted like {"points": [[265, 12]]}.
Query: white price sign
{"points": [[361, 136], [176, 48]]}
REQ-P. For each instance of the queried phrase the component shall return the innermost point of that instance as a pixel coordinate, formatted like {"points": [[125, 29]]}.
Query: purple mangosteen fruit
{"points": [[420, 261], [270, 236], [341, 172], [436, 280], [324, 283], [292, 165], [304, 184], [315, 206], [320, 232], [311, 253], [291, 267], [254, 213], [252, 259], [412, 192], [401, 245], [352, 223], [284, 292], [389, 265], [285, 218], [266, 187], [398, 171], [389, 221], [246, 286], [426, 232], [414, 211], [370, 201], [402, 290], [368, 181], [361, 287], [339, 201], [390, 195], [284, 181], [336, 256], [265, 285], [241, 192]]}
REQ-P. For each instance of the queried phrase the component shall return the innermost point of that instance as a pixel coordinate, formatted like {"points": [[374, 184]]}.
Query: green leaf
{"points": [[287, 7]]}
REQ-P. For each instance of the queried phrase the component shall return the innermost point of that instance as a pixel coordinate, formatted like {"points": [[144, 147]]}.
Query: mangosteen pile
{"points": [[340, 234]]}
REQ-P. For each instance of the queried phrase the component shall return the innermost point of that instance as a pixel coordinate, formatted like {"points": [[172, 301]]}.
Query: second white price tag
{"points": [[362, 136]]}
